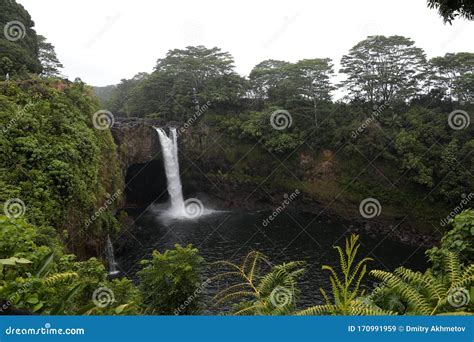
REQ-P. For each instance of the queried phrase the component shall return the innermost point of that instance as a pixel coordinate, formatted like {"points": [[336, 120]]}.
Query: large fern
{"points": [[425, 294], [345, 287], [254, 293]]}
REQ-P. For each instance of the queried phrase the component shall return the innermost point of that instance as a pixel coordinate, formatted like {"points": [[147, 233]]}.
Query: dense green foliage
{"points": [[171, 282], [416, 293], [36, 275], [53, 159], [458, 240]]}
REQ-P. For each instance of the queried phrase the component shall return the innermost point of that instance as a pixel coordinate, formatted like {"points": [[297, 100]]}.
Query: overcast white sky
{"points": [[103, 41]]}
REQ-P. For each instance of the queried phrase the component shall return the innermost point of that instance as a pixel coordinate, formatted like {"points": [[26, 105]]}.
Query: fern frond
{"points": [[327, 309], [60, 278], [452, 267]]}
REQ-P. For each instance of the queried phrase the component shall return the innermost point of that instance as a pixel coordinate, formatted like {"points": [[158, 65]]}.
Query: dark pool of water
{"points": [[231, 235]]}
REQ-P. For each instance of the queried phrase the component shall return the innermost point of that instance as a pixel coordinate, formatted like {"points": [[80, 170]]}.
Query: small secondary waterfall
{"points": [[109, 253], [169, 146]]}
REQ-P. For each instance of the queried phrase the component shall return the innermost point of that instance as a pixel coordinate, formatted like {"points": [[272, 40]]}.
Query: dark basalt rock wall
{"points": [[137, 141], [139, 153]]}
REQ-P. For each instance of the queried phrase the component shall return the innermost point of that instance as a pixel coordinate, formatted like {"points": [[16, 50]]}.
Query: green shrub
{"points": [[460, 240], [170, 282]]}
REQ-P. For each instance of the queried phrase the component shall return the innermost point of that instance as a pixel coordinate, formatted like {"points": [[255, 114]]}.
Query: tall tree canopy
{"points": [[50, 63], [266, 76], [185, 80], [382, 69], [19, 48], [453, 75]]}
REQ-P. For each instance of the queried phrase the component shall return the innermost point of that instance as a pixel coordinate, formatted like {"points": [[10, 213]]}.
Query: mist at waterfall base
{"points": [[177, 208]]}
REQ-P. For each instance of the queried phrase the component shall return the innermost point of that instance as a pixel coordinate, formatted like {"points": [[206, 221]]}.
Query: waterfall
{"points": [[109, 253], [169, 146]]}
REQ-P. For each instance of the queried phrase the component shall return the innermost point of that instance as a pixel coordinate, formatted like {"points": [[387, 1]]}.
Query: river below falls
{"points": [[231, 235]]}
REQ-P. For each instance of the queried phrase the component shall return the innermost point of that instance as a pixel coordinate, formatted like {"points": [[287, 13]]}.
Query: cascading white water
{"points": [[109, 252], [169, 146]]}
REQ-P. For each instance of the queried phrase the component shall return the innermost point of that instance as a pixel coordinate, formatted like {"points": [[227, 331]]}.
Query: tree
{"points": [[20, 44], [382, 69], [453, 74], [118, 101], [311, 78], [49, 61], [266, 76], [451, 9], [185, 80]]}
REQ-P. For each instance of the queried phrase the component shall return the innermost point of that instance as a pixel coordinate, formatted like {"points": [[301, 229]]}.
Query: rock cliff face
{"points": [[137, 141]]}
